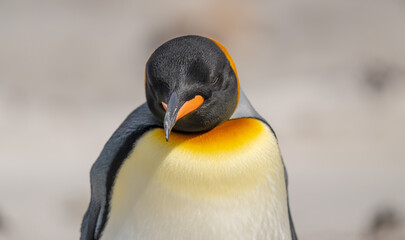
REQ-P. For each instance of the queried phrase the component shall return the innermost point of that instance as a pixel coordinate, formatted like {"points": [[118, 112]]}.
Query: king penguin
{"points": [[195, 162]]}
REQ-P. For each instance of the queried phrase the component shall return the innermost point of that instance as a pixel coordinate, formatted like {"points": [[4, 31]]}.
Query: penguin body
{"points": [[225, 181]]}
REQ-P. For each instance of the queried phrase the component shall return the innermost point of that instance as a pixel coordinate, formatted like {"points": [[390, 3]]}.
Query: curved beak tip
{"points": [[168, 125], [167, 133]]}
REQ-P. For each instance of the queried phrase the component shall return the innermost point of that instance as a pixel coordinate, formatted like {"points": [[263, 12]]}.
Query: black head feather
{"points": [[190, 66]]}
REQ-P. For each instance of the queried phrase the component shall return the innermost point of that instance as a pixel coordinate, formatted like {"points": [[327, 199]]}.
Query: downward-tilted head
{"points": [[191, 84]]}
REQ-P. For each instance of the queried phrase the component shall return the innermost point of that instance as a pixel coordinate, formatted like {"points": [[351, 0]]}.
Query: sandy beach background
{"points": [[329, 76]]}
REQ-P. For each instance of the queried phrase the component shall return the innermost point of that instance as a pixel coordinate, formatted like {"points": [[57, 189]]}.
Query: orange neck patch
{"points": [[229, 136]]}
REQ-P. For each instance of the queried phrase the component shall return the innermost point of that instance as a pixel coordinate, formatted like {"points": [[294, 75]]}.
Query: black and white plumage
{"points": [[225, 180]]}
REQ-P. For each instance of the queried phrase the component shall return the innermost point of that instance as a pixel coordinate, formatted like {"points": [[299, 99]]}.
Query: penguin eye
{"points": [[216, 79], [164, 85]]}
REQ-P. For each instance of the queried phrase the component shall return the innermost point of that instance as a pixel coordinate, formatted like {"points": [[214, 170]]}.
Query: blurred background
{"points": [[329, 76]]}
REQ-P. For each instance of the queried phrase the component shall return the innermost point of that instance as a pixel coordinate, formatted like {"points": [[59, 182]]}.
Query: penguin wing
{"points": [[246, 110], [292, 228], [104, 170]]}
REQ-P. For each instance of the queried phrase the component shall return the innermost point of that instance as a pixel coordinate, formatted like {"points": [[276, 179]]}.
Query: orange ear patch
{"points": [[228, 56]]}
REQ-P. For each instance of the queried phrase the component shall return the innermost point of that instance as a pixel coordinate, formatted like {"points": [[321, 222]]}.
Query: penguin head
{"points": [[191, 84]]}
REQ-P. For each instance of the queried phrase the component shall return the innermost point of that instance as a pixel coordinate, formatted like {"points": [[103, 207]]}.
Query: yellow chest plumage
{"points": [[227, 183]]}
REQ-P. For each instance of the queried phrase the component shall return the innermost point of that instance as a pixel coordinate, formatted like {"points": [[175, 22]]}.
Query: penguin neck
{"points": [[233, 156]]}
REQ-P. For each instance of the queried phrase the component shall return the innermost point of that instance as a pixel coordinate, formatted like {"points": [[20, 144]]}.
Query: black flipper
{"points": [[104, 170], [293, 233]]}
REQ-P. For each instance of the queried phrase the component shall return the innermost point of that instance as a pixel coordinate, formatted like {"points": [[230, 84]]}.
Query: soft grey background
{"points": [[328, 75]]}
